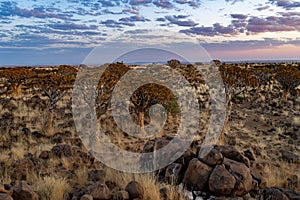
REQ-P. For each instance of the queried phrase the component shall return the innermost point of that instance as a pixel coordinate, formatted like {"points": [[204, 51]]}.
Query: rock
{"points": [[20, 167], [233, 154], [4, 196], [173, 173], [6, 189], [197, 175], [96, 175], [185, 159], [135, 190], [250, 154], [23, 191], [121, 195], [62, 150], [44, 155], [292, 182], [274, 194], [256, 175], [289, 156], [213, 158], [290, 194], [99, 191], [86, 197], [164, 193], [77, 191], [221, 181], [242, 175]]}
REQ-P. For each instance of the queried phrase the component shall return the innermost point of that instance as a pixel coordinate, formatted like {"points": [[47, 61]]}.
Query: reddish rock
{"points": [[197, 174], [173, 172], [99, 191], [213, 158], [86, 197], [221, 181], [62, 150], [135, 190], [121, 195], [23, 191], [274, 194], [233, 154], [4, 196], [44, 155], [242, 175]]}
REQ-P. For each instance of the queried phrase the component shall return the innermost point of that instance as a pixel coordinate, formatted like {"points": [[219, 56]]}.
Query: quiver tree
{"points": [[54, 86], [236, 80], [289, 79], [16, 77], [148, 95]]}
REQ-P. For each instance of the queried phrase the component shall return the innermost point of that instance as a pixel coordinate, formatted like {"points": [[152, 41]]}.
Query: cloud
{"points": [[9, 9], [262, 8], [140, 2], [116, 24], [234, 1], [163, 4], [216, 29], [286, 4], [192, 3], [273, 24], [175, 19], [72, 26], [135, 18], [239, 16], [138, 31]]}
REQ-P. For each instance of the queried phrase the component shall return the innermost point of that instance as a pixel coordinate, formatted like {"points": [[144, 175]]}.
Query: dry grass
{"points": [[147, 181], [277, 177], [296, 121], [52, 188], [18, 151], [81, 176]]}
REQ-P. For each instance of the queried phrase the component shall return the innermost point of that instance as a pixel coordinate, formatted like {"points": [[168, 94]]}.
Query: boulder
{"points": [[221, 181], [274, 194], [242, 175], [197, 175], [23, 191], [99, 191], [62, 150], [44, 155], [173, 173], [96, 175], [233, 154], [213, 158], [86, 197], [135, 190], [250, 154], [121, 195], [4, 196], [6, 189]]}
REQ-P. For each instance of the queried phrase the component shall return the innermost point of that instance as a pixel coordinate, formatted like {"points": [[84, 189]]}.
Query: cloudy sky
{"points": [[65, 32]]}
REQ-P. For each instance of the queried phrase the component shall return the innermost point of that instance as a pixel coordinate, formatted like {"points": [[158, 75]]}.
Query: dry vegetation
{"points": [[36, 115]]}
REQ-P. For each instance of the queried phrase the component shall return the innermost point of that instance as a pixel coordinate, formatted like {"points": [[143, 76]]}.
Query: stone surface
{"points": [[221, 181], [274, 194], [242, 175], [173, 173], [23, 191], [4, 196], [62, 150], [99, 191], [233, 154], [197, 175], [121, 195], [213, 158], [135, 190], [86, 197]]}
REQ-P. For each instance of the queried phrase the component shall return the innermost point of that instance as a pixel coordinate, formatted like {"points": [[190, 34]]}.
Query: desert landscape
{"points": [[256, 157]]}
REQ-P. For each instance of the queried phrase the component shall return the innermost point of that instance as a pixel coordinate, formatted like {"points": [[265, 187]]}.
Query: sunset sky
{"points": [[39, 32]]}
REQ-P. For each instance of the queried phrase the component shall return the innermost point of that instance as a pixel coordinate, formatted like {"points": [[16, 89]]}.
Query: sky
{"points": [[40, 32]]}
